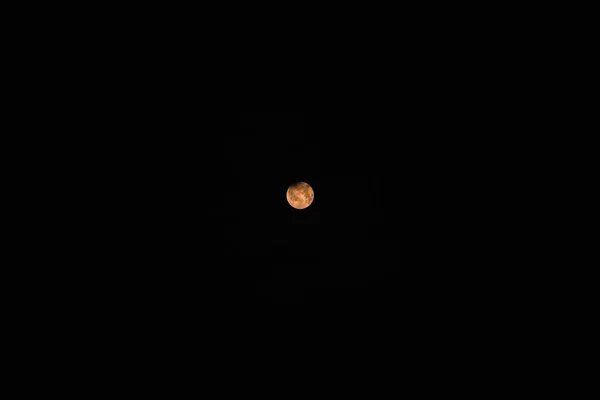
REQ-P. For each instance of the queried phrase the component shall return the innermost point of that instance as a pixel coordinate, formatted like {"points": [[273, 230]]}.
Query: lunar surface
{"points": [[300, 195]]}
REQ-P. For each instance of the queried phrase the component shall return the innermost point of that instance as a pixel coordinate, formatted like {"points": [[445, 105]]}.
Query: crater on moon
{"points": [[300, 195]]}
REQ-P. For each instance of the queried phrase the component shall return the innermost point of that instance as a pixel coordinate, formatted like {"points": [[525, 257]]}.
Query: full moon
{"points": [[300, 195]]}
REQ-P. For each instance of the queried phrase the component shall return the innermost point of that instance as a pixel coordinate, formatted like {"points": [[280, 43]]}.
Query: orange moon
{"points": [[300, 195]]}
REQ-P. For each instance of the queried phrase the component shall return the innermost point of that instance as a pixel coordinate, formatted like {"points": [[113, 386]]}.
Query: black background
{"points": [[184, 209]]}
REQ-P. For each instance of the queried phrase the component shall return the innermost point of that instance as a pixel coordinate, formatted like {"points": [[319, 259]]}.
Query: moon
{"points": [[300, 195]]}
